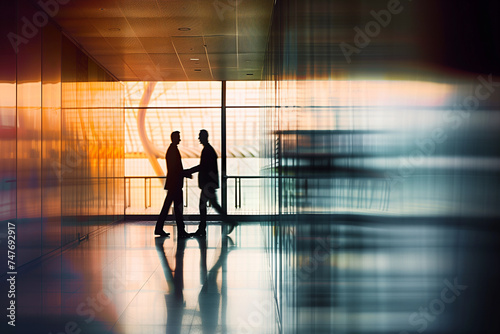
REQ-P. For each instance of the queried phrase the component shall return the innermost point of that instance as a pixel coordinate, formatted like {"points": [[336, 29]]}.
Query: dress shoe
{"points": [[162, 233]]}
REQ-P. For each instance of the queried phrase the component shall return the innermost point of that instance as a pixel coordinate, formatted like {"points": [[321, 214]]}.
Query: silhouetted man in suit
{"points": [[173, 185], [208, 182]]}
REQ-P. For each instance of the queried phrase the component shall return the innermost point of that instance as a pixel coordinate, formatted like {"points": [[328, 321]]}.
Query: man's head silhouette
{"points": [[175, 137], [203, 136]]}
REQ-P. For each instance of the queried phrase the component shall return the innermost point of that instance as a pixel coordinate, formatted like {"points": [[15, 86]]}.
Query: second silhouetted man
{"points": [[208, 182]]}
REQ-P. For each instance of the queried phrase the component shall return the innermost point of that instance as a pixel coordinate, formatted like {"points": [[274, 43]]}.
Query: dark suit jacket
{"points": [[208, 171], [175, 171]]}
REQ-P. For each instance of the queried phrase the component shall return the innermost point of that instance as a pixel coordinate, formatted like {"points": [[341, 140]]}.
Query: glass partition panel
{"points": [[243, 160], [155, 109], [148, 138], [243, 93], [175, 94]]}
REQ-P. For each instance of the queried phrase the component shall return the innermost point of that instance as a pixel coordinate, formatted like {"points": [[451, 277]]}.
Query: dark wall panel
{"points": [[8, 153], [69, 128], [51, 138], [29, 143]]}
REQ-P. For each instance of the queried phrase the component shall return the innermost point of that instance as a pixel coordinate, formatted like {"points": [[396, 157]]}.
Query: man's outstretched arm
{"points": [[192, 170]]}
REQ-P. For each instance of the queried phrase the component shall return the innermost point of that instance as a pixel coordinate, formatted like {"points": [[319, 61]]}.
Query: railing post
{"points": [[239, 192], [223, 149], [145, 193], [147, 204], [129, 192], [236, 192]]}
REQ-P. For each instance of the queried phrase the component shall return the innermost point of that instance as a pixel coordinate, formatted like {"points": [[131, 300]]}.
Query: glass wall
{"points": [[92, 150], [155, 110], [243, 129], [62, 133], [373, 171]]}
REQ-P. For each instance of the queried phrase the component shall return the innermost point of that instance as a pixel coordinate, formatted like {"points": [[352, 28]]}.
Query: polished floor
{"points": [[341, 274], [125, 280]]}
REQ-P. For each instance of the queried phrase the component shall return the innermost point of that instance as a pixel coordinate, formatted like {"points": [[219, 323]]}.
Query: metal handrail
{"points": [[148, 185], [147, 189], [237, 186], [238, 196]]}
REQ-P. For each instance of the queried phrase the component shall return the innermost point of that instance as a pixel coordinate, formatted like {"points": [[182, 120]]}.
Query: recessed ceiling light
{"points": [[194, 59], [114, 29], [184, 29]]}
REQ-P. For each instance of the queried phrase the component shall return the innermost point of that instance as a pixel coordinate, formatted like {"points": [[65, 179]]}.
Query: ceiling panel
{"points": [[180, 8], [194, 60], [213, 26], [165, 60], [223, 60], [179, 26], [221, 44], [228, 73], [251, 60], [124, 45], [78, 9], [97, 45], [113, 27], [188, 44], [251, 43], [143, 39], [157, 44], [151, 27], [199, 74], [137, 60], [139, 8]]}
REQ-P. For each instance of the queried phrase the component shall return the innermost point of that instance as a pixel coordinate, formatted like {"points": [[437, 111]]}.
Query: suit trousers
{"points": [[175, 196], [208, 195]]}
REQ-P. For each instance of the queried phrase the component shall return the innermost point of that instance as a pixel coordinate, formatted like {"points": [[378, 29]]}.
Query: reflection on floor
{"points": [[367, 275], [125, 280], [387, 275]]}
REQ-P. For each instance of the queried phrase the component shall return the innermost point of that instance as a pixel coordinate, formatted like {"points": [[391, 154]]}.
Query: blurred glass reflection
{"points": [[383, 180], [375, 185]]}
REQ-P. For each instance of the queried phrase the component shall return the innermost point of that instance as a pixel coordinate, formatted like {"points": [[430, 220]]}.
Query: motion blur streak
{"points": [[383, 171]]}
